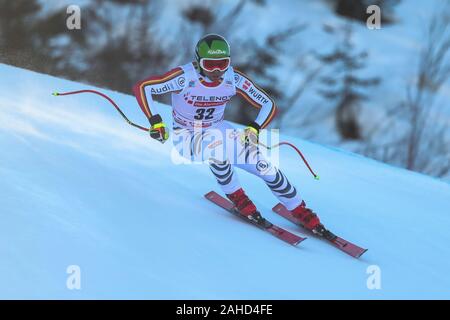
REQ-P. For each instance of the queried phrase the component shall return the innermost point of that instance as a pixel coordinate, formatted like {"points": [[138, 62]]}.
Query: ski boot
{"points": [[246, 207], [311, 221], [307, 218]]}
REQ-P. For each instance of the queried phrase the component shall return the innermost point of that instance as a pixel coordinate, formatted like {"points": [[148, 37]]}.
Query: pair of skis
{"points": [[289, 237]]}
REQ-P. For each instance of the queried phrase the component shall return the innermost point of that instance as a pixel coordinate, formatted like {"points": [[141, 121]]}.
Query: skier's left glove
{"points": [[251, 134], [158, 130]]}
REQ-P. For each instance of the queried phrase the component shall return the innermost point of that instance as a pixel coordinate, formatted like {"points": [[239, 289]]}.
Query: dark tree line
{"points": [[356, 9], [101, 53]]}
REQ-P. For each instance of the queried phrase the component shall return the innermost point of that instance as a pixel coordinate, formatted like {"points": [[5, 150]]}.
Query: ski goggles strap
{"points": [[210, 64]]}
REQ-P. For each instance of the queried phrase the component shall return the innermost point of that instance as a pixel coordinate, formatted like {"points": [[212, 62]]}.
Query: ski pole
{"points": [[296, 149], [107, 98]]}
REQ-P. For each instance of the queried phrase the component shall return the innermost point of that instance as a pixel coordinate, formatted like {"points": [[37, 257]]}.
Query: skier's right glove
{"points": [[158, 130]]}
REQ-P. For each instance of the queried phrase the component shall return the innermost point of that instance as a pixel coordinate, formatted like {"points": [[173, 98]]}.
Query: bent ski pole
{"points": [[107, 98], [296, 149]]}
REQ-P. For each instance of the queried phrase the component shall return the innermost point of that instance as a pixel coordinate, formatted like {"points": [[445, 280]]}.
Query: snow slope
{"points": [[78, 186]]}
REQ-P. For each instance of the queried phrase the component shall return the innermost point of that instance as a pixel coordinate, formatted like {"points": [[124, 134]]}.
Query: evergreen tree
{"points": [[341, 85]]}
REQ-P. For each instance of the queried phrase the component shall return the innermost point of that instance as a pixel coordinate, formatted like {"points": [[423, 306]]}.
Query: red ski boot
{"points": [[308, 219], [245, 206]]}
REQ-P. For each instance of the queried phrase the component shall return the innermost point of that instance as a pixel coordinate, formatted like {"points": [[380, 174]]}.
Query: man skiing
{"points": [[200, 91]]}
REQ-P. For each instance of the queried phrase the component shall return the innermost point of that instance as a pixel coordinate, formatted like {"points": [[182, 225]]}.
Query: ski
{"points": [[278, 232], [344, 245]]}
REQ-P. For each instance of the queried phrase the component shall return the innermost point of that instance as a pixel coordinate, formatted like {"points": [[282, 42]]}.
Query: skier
{"points": [[200, 91]]}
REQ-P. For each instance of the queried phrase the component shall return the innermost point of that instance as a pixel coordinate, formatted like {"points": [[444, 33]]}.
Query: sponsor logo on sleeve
{"points": [[181, 81], [257, 95], [160, 89], [246, 85], [237, 78]]}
